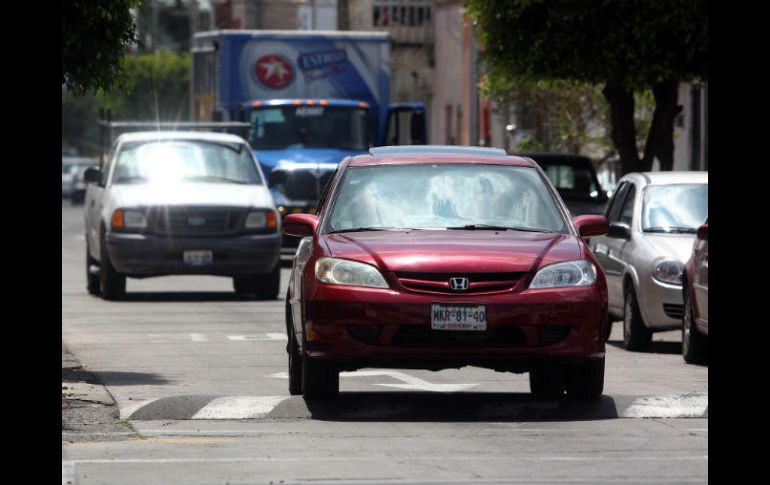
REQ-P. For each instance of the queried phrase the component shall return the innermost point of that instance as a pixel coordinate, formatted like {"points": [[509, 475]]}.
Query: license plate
{"points": [[458, 317], [198, 258]]}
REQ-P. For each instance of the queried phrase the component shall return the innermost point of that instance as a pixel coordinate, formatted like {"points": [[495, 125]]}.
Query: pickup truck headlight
{"points": [[668, 271], [572, 273], [262, 219], [128, 219], [345, 272]]}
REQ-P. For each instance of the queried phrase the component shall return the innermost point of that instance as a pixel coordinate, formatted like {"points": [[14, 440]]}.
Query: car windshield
{"points": [[573, 181], [674, 208], [444, 196], [279, 128], [185, 161]]}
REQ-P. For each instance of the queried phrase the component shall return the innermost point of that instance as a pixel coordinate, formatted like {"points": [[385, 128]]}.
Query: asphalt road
{"points": [[200, 375]]}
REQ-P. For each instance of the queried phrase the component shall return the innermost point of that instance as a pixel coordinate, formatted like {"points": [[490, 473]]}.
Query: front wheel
{"points": [[92, 280], [636, 336], [585, 380], [694, 344], [295, 359], [111, 283]]}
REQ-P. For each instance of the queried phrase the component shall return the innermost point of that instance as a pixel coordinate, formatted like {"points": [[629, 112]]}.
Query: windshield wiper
{"points": [[214, 177], [672, 229], [489, 227], [372, 228], [131, 179]]}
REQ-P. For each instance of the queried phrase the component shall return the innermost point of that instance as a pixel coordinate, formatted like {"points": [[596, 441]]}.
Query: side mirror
{"points": [[277, 176], [619, 230], [300, 225], [92, 175], [703, 232], [591, 225]]}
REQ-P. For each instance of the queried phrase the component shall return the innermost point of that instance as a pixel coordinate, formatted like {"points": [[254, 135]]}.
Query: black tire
{"points": [[112, 284], [547, 380], [264, 286], [694, 343], [319, 378], [92, 280], [295, 359], [608, 331], [636, 336], [585, 380], [245, 285]]}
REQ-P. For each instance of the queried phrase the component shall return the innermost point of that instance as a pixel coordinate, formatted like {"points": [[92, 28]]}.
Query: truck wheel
{"points": [[295, 359], [91, 279], [245, 284], [585, 380], [111, 283], [636, 336], [319, 378], [547, 380], [694, 344], [269, 284]]}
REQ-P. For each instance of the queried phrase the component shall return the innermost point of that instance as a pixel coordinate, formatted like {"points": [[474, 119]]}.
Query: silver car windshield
{"points": [[674, 208], [185, 161], [444, 196]]}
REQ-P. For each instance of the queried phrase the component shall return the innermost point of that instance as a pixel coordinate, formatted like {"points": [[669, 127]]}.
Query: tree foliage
{"points": [[95, 34], [622, 46]]}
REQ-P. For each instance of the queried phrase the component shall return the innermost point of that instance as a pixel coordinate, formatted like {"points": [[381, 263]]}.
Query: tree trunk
{"points": [[660, 140], [623, 132]]}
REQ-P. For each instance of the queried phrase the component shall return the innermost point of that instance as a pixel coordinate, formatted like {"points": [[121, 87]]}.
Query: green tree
{"points": [[622, 46], [95, 35]]}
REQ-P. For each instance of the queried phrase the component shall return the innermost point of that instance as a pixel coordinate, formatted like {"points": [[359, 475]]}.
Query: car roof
{"points": [[180, 135], [415, 154], [673, 177]]}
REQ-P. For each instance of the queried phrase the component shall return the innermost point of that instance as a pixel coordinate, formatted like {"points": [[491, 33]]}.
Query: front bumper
{"points": [[367, 327], [661, 305], [142, 255]]}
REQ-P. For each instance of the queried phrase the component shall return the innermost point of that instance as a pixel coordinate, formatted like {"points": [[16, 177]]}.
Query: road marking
{"points": [[409, 382], [199, 337], [269, 336], [238, 407], [669, 406], [67, 473]]}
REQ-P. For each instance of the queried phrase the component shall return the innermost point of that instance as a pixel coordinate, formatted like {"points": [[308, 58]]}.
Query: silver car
{"points": [[169, 203], [653, 220]]}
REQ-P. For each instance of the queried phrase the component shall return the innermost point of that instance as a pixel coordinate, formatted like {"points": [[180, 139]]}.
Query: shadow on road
{"points": [[424, 406], [118, 378], [185, 296]]}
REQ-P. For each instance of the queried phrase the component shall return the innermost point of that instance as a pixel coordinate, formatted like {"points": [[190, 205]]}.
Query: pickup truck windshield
{"points": [[310, 126], [185, 161]]}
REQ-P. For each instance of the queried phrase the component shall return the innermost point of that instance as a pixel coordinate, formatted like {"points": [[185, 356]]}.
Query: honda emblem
{"points": [[459, 284]]}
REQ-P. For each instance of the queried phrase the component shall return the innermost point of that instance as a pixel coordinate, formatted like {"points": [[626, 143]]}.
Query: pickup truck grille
{"points": [[195, 221]]}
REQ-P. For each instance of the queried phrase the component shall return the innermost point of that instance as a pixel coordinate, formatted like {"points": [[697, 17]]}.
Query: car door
{"points": [[93, 205], [621, 251], [701, 283], [605, 246]]}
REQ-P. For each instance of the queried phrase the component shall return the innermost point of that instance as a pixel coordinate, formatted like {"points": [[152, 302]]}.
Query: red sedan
{"points": [[437, 257], [695, 293]]}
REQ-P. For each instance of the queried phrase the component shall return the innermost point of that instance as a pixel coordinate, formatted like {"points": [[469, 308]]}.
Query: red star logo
{"points": [[274, 71]]}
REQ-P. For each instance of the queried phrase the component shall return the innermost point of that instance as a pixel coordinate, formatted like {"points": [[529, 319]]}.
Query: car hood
{"points": [[677, 246], [439, 251], [193, 194]]}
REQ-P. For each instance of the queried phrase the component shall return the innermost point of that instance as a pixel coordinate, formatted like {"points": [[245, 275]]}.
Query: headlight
{"points": [[571, 273], [264, 219], [128, 219], [668, 271], [344, 272]]}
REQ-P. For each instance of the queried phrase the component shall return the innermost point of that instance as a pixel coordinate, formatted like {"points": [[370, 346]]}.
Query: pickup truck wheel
{"points": [[295, 359], [91, 279], [636, 336], [585, 380], [111, 283], [245, 284], [270, 284], [547, 380], [694, 344]]}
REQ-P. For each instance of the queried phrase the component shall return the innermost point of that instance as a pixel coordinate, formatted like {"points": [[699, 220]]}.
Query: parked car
{"points": [[695, 293], [653, 219], [435, 257], [79, 185], [575, 178], [170, 203], [69, 169]]}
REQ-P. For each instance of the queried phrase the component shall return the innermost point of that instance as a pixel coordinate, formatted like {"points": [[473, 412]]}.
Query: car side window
{"points": [[613, 212], [627, 213], [109, 162]]}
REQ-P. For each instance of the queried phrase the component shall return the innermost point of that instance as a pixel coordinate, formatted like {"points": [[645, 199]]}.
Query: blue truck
{"points": [[311, 98]]}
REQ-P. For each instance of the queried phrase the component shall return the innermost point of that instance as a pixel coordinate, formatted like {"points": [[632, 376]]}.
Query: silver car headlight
{"points": [[345, 272], [571, 273], [668, 271]]}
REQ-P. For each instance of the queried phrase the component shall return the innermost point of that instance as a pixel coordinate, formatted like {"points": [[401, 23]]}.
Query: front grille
{"points": [[673, 310], [425, 337], [195, 221], [306, 184], [438, 283], [550, 334]]}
